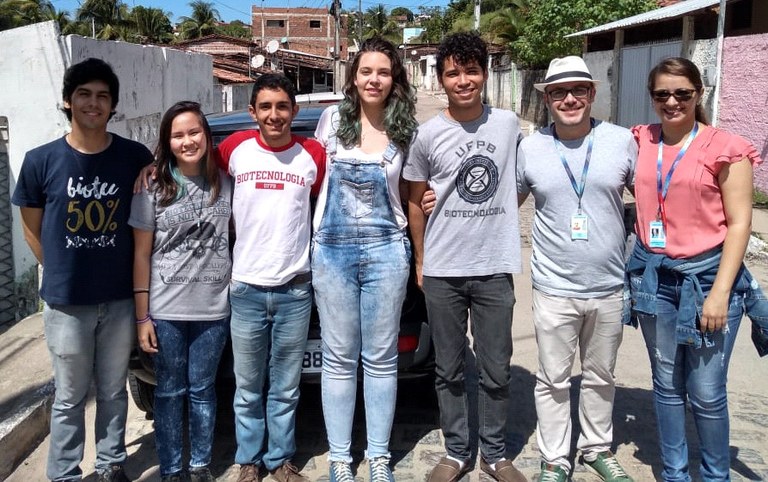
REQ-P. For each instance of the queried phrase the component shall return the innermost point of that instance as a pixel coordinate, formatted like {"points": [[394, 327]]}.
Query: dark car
{"points": [[416, 358]]}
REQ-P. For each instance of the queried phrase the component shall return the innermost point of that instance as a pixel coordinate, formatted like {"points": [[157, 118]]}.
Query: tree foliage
{"points": [[547, 22], [377, 23], [108, 18], [203, 21], [236, 29], [151, 25], [402, 11]]}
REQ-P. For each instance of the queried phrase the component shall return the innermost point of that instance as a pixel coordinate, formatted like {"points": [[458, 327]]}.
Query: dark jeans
{"points": [[185, 365], [489, 300]]}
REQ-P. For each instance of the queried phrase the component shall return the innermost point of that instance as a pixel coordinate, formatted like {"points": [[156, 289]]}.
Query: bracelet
{"points": [[140, 290], [144, 320]]}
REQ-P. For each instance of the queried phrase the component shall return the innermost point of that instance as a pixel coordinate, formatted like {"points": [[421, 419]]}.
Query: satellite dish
{"points": [[272, 46], [257, 61]]}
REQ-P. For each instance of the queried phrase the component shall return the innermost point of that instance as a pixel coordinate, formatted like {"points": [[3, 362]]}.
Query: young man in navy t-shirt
{"points": [[75, 195]]}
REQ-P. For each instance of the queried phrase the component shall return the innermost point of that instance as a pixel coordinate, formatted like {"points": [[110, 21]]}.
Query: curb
{"points": [[22, 431]]}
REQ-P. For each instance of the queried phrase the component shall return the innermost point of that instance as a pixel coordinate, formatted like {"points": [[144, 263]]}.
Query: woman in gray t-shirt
{"points": [[180, 280]]}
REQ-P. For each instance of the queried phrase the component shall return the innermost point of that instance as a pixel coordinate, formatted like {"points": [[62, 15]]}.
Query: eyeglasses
{"points": [[580, 91], [680, 95]]}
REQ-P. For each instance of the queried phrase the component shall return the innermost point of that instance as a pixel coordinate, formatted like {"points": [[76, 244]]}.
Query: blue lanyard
{"points": [[577, 188], [663, 188]]}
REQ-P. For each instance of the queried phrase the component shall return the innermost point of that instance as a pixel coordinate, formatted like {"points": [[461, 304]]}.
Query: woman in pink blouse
{"points": [[694, 213]]}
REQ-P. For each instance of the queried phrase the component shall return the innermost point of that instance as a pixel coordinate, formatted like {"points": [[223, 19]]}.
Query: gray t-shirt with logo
{"points": [[580, 268], [474, 229], [191, 265]]}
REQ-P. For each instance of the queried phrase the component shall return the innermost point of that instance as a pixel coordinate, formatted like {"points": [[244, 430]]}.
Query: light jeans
{"points": [[88, 343], [359, 306], [593, 325], [489, 300], [185, 366], [684, 373], [269, 327]]}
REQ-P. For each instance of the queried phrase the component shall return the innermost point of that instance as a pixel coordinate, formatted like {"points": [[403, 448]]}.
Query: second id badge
{"points": [[579, 227], [657, 238]]}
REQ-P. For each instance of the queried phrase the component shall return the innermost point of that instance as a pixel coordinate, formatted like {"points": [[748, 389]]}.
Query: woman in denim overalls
{"points": [[361, 255]]}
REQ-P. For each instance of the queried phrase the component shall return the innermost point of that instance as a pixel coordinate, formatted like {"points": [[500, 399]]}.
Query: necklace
{"points": [[199, 212]]}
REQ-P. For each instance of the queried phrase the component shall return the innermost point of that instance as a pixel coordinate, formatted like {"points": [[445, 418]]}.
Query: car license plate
{"points": [[313, 357]]}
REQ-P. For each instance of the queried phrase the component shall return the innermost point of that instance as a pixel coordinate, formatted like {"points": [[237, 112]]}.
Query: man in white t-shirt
{"points": [[275, 173]]}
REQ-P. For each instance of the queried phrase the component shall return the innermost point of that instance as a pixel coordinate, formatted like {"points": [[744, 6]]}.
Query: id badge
{"points": [[579, 228], [657, 238]]}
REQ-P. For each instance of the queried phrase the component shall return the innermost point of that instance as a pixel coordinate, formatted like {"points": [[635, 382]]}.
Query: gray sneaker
{"points": [[201, 474], [114, 473]]}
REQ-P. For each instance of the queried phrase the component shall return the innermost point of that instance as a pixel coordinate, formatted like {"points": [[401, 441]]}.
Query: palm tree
{"points": [[378, 24], [109, 18], [151, 25], [202, 22], [504, 25]]}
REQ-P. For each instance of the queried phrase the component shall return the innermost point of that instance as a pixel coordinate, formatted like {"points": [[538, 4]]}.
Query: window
{"points": [[314, 24], [275, 23], [741, 15]]}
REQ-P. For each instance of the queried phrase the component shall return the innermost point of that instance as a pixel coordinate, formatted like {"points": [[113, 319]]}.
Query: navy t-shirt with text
{"points": [[86, 200]]}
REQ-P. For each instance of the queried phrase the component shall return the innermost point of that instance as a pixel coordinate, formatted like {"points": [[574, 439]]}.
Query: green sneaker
{"points": [[552, 473], [608, 468]]}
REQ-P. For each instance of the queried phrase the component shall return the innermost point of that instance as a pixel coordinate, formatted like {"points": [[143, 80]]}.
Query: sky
{"points": [[241, 9]]}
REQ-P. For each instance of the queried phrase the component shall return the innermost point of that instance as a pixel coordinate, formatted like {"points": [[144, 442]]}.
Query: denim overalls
{"points": [[360, 265]]}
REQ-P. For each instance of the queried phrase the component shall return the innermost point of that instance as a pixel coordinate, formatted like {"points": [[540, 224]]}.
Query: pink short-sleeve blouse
{"points": [[694, 204]]}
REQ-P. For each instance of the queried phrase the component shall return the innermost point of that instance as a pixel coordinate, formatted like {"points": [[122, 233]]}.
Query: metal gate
{"points": [[636, 61]]}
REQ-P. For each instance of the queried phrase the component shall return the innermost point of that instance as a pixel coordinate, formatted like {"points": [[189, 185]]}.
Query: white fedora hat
{"points": [[567, 69]]}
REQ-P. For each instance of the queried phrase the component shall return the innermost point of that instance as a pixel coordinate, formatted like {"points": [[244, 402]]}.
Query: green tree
{"points": [[402, 11], [109, 18], [17, 13], [547, 22], [202, 22], [437, 25], [236, 29], [150, 25], [377, 23]]}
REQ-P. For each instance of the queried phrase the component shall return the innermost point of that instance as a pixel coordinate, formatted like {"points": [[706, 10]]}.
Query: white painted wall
{"points": [[31, 70]]}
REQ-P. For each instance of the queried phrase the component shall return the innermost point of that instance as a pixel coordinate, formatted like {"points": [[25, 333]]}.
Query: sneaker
{"points": [[552, 473], [448, 470], [249, 473], [113, 473], [171, 478], [341, 472], [608, 468], [287, 473], [505, 471], [201, 474], [380, 471]]}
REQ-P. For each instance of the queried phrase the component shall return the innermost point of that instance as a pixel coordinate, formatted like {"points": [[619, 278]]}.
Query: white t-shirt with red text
{"points": [[271, 205]]}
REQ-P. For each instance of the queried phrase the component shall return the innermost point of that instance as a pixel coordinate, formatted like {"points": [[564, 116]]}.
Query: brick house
{"points": [[309, 30]]}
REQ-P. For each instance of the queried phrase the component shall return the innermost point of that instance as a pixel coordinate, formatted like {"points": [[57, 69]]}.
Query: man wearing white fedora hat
{"points": [[577, 169]]}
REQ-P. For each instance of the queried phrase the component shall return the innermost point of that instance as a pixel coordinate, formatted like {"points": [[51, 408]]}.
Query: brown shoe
{"points": [[505, 471], [249, 473], [448, 470], [288, 473]]}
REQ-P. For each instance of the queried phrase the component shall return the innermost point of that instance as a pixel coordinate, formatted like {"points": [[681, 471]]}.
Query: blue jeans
{"points": [[360, 290], [185, 366], [489, 301], [685, 373], [88, 343], [269, 328]]}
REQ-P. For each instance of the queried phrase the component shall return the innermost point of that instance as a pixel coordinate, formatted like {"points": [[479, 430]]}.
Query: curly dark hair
{"points": [[169, 183], [681, 67], [463, 48], [87, 71], [399, 113]]}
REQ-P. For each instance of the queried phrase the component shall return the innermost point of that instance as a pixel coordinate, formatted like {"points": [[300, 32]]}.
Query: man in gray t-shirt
{"points": [[576, 169], [466, 253]]}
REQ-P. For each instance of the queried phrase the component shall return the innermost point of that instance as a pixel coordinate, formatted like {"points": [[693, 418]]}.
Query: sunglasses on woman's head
{"points": [[680, 95]]}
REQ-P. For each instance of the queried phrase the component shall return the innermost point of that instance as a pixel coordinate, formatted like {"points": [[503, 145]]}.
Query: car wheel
{"points": [[143, 395]]}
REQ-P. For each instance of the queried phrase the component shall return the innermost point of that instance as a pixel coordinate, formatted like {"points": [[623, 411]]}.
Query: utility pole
{"points": [[336, 45], [477, 15], [360, 21]]}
